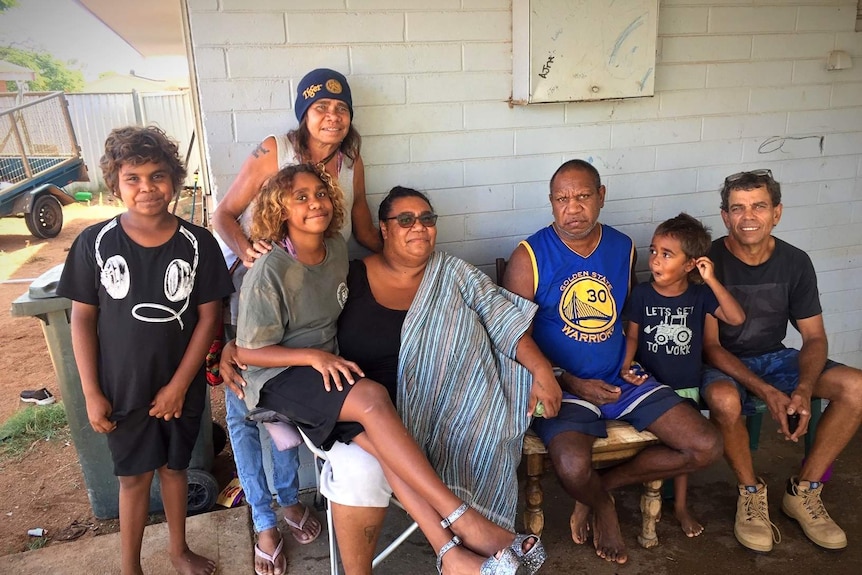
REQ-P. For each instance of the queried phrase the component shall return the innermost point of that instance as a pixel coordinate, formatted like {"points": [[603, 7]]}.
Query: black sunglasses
{"points": [[406, 219], [739, 175]]}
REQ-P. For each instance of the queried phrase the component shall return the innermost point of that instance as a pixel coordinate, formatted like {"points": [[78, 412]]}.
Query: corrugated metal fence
{"points": [[95, 115]]}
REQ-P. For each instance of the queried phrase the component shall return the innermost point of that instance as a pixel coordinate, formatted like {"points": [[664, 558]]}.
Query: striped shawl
{"points": [[461, 393]]}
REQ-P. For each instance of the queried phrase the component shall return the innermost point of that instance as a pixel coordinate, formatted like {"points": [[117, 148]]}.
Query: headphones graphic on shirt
{"points": [[178, 283]]}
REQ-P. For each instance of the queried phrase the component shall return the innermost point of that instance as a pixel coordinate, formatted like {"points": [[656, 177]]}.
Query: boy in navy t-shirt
{"points": [[665, 321]]}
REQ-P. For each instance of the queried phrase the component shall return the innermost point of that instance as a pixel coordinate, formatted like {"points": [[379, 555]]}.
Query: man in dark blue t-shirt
{"points": [[775, 283]]}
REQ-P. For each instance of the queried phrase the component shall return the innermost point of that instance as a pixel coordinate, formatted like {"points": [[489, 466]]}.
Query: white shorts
{"points": [[352, 476]]}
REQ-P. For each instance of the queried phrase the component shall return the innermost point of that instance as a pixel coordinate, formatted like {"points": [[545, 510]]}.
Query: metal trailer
{"points": [[39, 154]]}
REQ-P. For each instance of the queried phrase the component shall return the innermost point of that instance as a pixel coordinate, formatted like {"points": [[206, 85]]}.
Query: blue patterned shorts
{"points": [[780, 369]]}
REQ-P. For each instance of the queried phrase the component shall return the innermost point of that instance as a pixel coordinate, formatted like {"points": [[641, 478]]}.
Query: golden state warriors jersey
{"points": [[578, 325]]}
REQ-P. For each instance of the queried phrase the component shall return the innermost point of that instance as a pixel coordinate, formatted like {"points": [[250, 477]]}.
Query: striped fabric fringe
{"points": [[461, 393]]}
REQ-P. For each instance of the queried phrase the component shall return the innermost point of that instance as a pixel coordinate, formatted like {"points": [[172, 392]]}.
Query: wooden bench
{"points": [[622, 443]]}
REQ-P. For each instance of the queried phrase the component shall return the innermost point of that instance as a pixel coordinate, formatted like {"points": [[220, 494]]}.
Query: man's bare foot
{"points": [[607, 538], [580, 523], [190, 563], [690, 526], [268, 559]]}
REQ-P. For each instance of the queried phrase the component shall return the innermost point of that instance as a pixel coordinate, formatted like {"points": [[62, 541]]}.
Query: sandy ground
{"points": [[44, 487]]}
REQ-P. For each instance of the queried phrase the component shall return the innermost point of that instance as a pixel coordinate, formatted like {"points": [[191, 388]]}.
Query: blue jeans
{"points": [[248, 455]]}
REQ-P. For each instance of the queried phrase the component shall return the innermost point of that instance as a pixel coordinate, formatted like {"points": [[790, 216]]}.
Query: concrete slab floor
{"points": [[224, 536]]}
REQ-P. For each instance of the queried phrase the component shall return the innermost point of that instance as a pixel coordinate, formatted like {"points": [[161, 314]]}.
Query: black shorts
{"points": [[142, 443], [298, 394]]}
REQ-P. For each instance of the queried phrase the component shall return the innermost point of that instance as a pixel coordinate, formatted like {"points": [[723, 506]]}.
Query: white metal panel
{"points": [[93, 117], [172, 112], [581, 50]]}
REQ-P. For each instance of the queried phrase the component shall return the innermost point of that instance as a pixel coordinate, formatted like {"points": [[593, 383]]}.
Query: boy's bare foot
{"points": [[690, 526], [190, 563], [268, 543], [607, 538], [580, 523]]}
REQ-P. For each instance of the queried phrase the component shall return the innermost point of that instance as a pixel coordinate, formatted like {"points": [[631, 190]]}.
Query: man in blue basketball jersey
{"points": [[580, 272]]}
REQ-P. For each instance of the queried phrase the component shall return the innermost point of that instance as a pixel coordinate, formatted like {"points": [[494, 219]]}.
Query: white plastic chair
{"points": [[319, 458]]}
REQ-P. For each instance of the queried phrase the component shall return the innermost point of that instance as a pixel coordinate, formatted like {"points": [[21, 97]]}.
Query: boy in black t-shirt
{"points": [[146, 291], [775, 283]]}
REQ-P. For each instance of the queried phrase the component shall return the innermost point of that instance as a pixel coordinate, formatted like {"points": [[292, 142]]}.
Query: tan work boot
{"points": [[802, 502], [753, 529]]}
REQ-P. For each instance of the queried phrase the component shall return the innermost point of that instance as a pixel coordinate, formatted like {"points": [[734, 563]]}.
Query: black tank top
{"points": [[368, 333]]}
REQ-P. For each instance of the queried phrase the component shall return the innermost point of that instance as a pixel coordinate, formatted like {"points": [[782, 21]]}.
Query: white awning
{"points": [[152, 27]]}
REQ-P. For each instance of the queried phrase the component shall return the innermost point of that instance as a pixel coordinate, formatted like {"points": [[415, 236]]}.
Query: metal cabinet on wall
{"points": [[581, 50]]}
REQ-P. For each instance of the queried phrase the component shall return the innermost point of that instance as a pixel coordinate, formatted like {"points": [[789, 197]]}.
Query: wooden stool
{"points": [[622, 443]]}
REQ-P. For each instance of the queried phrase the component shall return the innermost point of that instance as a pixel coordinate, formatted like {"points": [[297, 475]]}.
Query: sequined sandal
{"points": [[506, 564], [454, 542], [454, 516], [532, 559]]}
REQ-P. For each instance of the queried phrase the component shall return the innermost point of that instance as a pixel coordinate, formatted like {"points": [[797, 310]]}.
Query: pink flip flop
{"points": [[301, 528], [271, 558]]}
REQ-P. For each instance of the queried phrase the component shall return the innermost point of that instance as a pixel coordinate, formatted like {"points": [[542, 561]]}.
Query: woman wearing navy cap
{"points": [[325, 136], [324, 109]]}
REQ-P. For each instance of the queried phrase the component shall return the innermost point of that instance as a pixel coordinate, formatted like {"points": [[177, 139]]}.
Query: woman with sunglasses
{"points": [[452, 349], [327, 138]]}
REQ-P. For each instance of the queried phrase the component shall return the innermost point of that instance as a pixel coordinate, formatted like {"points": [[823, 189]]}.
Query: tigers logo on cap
{"points": [[311, 91], [334, 86]]}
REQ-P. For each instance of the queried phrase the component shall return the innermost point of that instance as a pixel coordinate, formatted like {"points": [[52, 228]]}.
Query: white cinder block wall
{"points": [[740, 84]]}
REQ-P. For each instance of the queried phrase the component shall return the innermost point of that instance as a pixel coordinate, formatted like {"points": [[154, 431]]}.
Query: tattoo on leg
{"points": [[370, 533], [259, 150]]}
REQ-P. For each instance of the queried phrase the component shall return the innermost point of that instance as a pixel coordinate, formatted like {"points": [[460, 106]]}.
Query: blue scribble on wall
{"points": [[636, 23], [643, 81]]}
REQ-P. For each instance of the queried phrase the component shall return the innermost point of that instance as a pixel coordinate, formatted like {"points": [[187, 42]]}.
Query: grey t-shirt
{"points": [[285, 302]]}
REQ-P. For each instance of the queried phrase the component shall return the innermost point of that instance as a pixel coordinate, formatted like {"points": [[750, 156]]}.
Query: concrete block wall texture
{"points": [[740, 84]]}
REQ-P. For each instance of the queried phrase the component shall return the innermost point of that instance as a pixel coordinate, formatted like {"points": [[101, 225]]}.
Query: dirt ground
{"points": [[45, 487]]}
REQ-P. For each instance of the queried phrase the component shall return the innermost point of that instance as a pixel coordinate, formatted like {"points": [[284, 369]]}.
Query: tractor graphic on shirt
{"points": [[673, 328]]}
